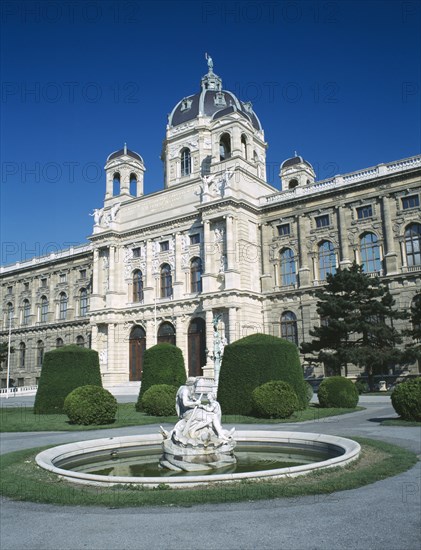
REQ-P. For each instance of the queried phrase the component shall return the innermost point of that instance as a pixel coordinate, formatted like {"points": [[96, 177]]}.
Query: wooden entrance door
{"points": [[137, 346], [197, 346]]}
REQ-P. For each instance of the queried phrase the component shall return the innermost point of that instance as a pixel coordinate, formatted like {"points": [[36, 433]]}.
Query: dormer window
{"points": [[185, 162], [219, 99], [186, 104]]}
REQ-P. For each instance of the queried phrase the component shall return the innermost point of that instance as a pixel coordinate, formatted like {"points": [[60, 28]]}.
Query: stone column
{"points": [[265, 239], [233, 329], [178, 275], [390, 258], [304, 270], [343, 242], [208, 368], [208, 251], [149, 283]]}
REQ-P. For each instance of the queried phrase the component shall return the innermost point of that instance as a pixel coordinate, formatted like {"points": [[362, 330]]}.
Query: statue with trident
{"points": [[210, 62]]}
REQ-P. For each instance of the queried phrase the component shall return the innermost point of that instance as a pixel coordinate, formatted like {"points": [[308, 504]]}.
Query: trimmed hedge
{"points": [[337, 391], [63, 370], [309, 392], [159, 400], [252, 361], [275, 399], [162, 364], [90, 405], [406, 400]]}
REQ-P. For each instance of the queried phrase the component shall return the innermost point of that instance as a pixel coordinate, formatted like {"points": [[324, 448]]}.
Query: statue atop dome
{"points": [[210, 62]]}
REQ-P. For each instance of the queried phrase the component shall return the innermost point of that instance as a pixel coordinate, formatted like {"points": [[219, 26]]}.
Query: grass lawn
{"points": [[23, 419], [22, 479]]}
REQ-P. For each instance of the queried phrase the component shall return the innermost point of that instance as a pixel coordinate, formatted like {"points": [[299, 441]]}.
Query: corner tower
{"points": [[212, 131]]}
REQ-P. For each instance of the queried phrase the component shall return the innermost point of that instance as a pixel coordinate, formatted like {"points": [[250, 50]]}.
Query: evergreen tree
{"points": [[4, 348], [357, 324], [414, 347]]}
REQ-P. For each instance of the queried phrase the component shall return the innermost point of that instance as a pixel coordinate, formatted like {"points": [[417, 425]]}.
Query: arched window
{"points": [[83, 302], [327, 259], [133, 185], [292, 183], [44, 309], [185, 162], [370, 253], [40, 353], [166, 281], [26, 312], [196, 275], [289, 327], [166, 333], [415, 309], [137, 286], [244, 145], [62, 306], [80, 341], [116, 184], [10, 312], [22, 353], [413, 244], [59, 343], [288, 271], [224, 147]]}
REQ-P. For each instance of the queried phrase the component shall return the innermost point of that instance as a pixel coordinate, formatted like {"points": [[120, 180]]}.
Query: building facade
{"points": [[218, 240]]}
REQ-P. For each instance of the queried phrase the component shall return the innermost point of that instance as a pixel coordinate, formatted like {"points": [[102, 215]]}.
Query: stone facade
{"points": [[218, 239]]}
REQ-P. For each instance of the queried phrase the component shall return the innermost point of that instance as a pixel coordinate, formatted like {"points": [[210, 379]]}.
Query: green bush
{"points": [[406, 400], [250, 362], [337, 391], [362, 387], [90, 405], [275, 399], [162, 364], [63, 370], [159, 400], [309, 392]]}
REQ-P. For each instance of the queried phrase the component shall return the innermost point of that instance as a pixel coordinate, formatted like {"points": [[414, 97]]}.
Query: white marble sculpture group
{"points": [[198, 441]]}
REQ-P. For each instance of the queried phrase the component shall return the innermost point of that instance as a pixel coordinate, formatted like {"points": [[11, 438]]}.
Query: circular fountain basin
{"points": [[327, 452]]}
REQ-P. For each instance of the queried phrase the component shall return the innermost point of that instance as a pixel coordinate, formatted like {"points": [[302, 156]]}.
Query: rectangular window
{"points": [[195, 239], [62, 278], [365, 212], [322, 221], [136, 252], [9, 290], [164, 246], [410, 202], [21, 382], [82, 273], [25, 286], [43, 283], [284, 229]]}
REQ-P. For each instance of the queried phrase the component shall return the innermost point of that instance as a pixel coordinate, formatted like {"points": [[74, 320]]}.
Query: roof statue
{"points": [[210, 62]]}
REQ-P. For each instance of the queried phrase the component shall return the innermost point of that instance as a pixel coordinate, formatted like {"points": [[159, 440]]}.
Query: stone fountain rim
{"points": [[46, 459]]}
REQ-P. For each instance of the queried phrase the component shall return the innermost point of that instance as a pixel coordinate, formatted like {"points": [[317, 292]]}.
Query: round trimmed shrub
{"points": [[362, 387], [338, 391], [90, 405], [275, 399], [310, 392], [406, 400], [162, 364], [252, 361], [63, 370], [159, 400]]}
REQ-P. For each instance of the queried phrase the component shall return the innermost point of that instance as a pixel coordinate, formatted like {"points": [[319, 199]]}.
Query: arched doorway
{"points": [[197, 346], [166, 333], [137, 346]]}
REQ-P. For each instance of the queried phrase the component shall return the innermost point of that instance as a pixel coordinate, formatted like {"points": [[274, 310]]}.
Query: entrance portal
{"points": [[137, 346], [197, 346]]}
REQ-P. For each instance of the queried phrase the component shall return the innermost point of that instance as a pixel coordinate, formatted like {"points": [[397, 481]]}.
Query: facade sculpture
{"points": [[198, 441]]}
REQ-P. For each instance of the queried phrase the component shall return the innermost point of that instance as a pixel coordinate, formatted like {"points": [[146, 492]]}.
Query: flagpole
{"points": [[8, 357]]}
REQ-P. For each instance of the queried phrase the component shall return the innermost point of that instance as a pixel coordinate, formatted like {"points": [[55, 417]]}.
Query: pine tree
{"points": [[414, 347], [357, 313], [4, 348]]}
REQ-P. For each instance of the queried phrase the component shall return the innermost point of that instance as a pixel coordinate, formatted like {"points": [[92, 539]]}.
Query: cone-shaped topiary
{"points": [[63, 370], [275, 399], [159, 400], [338, 391], [162, 364], [252, 361], [406, 399], [90, 405]]}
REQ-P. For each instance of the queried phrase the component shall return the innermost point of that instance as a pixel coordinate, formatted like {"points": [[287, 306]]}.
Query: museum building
{"points": [[217, 241]]}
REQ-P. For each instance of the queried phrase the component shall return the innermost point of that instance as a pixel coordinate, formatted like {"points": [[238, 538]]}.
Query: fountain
{"points": [[197, 451]]}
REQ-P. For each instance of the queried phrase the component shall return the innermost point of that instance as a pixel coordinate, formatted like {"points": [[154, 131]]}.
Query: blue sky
{"points": [[339, 82]]}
